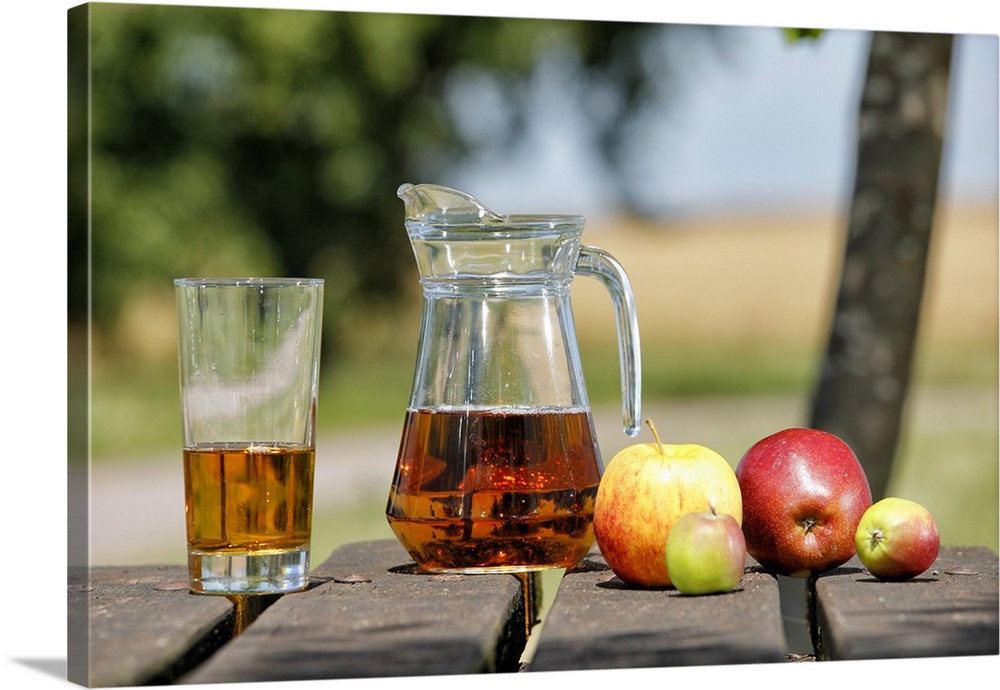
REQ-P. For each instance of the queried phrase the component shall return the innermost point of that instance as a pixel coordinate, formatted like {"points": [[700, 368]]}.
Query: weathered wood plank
{"points": [[140, 625], [372, 613], [951, 610], [597, 622]]}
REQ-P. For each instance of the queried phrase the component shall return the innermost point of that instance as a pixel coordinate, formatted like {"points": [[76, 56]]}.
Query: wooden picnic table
{"points": [[369, 612]]}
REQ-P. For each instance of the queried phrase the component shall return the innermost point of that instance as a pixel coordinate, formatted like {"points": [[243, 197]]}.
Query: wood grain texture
{"points": [[372, 613], [140, 625], [597, 622], [951, 610]]}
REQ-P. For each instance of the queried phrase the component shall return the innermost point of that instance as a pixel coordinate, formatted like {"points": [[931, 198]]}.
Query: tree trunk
{"points": [[865, 376]]}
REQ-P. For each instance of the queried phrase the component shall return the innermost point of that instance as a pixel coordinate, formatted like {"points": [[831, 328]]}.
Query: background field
{"points": [[733, 315]]}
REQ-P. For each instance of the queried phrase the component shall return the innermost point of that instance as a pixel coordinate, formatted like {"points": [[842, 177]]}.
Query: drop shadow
{"points": [[589, 565], [874, 580], [57, 668], [408, 569], [843, 570], [618, 584]]}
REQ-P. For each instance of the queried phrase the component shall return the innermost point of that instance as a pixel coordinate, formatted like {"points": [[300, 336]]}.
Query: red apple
{"points": [[897, 539], [804, 493], [645, 489], [706, 553]]}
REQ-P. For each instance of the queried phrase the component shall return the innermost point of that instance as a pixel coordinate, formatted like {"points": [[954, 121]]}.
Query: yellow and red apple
{"points": [[897, 539], [644, 491]]}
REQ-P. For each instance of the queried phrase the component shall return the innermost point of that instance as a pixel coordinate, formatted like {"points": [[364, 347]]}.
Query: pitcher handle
{"points": [[601, 265]]}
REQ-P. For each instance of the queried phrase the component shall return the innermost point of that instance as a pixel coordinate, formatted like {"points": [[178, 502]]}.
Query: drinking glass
{"points": [[249, 371]]}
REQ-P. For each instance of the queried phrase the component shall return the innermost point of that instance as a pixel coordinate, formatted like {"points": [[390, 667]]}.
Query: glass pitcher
{"points": [[498, 463]]}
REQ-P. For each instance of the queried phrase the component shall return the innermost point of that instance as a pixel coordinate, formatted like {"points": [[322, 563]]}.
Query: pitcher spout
{"points": [[431, 203]]}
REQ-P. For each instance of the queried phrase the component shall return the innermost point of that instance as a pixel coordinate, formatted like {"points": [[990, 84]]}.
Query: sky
{"points": [[770, 126]]}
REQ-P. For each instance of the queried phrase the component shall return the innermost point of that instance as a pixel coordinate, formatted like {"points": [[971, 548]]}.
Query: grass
{"points": [[137, 408], [679, 370], [134, 411], [929, 476]]}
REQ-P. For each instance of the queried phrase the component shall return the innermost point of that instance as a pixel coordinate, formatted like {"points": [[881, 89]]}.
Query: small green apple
{"points": [[897, 539], [706, 552]]}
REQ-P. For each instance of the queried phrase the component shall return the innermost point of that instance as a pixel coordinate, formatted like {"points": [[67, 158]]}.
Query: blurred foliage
{"points": [[230, 141], [793, 35]]}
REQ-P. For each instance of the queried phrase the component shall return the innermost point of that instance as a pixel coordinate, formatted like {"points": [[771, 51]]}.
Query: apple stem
{"points": [[659, 444]]}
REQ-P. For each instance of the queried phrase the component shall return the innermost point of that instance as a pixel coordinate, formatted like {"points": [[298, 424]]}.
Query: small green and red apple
{"points": [[804, 492], [897, 539], [644, 491], [706, 553]]}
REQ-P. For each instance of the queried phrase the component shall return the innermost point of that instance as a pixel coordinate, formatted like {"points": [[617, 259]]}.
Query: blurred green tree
{"points": [[255, 141]]}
